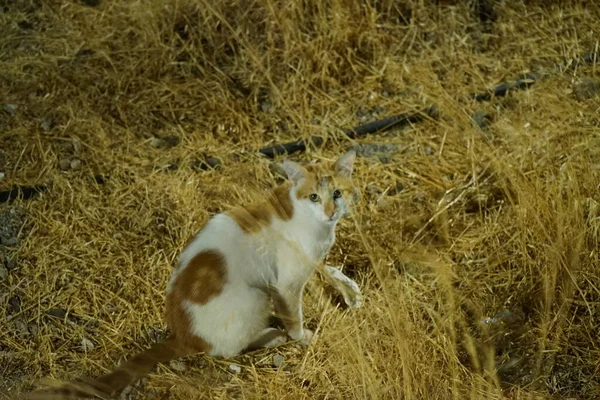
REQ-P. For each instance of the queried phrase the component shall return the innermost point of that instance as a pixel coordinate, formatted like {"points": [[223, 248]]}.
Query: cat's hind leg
{"points": [[270, 337]]}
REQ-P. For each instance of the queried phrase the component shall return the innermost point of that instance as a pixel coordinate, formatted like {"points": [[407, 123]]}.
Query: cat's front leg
{"points": [[346, 286], [288, 307]]}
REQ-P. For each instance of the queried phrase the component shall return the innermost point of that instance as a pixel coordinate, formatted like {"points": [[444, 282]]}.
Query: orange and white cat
{"points": [[239, 266]]}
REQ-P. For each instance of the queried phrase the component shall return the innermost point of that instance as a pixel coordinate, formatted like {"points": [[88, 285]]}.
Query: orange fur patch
{"points": [[254, 217], [201, 280]]}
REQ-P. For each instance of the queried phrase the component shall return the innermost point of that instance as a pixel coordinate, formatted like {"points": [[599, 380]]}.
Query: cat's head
{"points": [[324, 190]]}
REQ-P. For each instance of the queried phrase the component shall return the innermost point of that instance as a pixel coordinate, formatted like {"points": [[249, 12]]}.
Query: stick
{"points": [[404, 119]]}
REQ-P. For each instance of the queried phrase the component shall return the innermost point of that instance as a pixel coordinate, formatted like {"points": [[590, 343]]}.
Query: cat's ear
{"points": [[345, 164], [293, 170]]}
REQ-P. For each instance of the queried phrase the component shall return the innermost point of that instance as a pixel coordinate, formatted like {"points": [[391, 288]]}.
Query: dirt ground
{"points": [[475, 241]]}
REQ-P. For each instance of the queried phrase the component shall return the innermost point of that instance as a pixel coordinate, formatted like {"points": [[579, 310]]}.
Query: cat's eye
{"points": [[337, 194], [314, 197]]}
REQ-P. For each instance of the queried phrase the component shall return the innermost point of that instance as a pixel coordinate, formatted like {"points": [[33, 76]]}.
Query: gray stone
{"points": [[64, 164], [278, 360], [76, 164], [11, 108], [235, 368], [87, 345], [46, 124], [178, 365], [2, 175]]}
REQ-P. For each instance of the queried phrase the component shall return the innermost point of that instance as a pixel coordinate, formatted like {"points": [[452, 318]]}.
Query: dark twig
{"points": [[353, 133], [405, 119], [26, 192]]}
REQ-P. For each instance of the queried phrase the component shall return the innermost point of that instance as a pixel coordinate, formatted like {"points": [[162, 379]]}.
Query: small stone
{"points": [[11, 108], [385, 94], [75, 164], [235, 368], [278, 360], [178, 365], [10, 242], [57, 312], [428, 150], [64, 164], [3, 274], [46, 124], [266, 106], [2, 175], [87, 345], [157, 143]]}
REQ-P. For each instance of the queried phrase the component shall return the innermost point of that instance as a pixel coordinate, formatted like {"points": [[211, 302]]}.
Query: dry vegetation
{"points": [[459, 224]]}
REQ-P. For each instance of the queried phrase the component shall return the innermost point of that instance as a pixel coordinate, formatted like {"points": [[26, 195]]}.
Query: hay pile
{"points": [[476, 248]]}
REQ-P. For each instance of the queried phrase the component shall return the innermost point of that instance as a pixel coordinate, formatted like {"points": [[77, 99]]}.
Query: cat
{"points": [[243, 263]]}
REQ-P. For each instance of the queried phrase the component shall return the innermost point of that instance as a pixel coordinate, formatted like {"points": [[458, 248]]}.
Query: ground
{"points": [[475, 240]]}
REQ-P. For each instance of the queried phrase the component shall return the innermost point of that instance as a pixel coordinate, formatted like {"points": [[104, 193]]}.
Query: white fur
{"points": [[281, 256]]}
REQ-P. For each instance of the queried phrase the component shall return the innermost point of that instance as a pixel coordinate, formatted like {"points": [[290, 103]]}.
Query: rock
{"points": [[178, 365], [75, 164], [266, 106], [46, 124], [278, 360], [10, 242], [588, 88], [157, 143], [87, 345], [64, 164], [3, 274], [11, 108], [428, 150], [380, 150], [235, 368], [2, 175], [164, 143]]}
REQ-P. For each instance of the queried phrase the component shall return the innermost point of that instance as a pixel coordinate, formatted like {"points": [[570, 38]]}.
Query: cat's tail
{"points": [[106, 386]]}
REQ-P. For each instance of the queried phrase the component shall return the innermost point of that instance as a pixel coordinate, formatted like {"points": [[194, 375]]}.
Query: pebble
{"points": [[157, 143], [266, 106], [87, 345], [3, 274], [374, 149], [64, 164], [2, 175], [278, 360], [75, 164], [10, 242], [11, 108], [45, 125], [235, 368], [178, 365]]}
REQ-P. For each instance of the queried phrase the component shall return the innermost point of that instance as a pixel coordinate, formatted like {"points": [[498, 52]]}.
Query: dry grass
{"points": [[485, 221]]}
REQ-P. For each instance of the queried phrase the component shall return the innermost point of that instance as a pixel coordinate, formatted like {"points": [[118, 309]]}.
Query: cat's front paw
{"points": [[308, 336], [346, 286], [304, 336]]}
